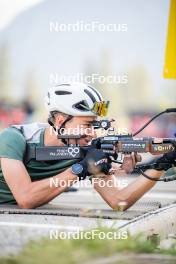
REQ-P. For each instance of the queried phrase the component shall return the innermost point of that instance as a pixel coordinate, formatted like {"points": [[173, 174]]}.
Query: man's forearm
{"points": [[41, 192], [126, 197], [135, 190]]}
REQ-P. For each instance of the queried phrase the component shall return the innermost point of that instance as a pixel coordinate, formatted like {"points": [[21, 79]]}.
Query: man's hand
{"points": [[166, 162], [129, 162], [96, 162]]}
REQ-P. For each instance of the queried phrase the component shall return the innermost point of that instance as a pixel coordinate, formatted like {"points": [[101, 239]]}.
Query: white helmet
{"points": [[76, 99]]}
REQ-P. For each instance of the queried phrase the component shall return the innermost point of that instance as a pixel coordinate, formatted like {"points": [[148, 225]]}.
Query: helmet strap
{"points": [[61, 127]]}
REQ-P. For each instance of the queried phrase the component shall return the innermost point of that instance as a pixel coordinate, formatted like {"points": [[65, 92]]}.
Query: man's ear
{"points": [[59, 119]]}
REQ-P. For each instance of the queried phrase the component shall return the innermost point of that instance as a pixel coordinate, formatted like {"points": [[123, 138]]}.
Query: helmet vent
{"points": [[63, 84], [62, 92], [82, 106], [48, 99], [95, 92], [92, 97]]}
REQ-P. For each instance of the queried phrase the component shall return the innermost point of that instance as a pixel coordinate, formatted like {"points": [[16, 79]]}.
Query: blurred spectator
{"points": [[15, 114], [29, 109]]}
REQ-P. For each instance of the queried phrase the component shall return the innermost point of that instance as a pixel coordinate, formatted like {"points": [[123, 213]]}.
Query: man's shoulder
{"points": [[11, 133], [12, 144], [23, 132], [13, 140], [31, 132]]}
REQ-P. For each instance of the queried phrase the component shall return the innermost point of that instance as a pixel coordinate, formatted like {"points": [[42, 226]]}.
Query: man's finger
{"points": [[128, 163], [138, 158]]}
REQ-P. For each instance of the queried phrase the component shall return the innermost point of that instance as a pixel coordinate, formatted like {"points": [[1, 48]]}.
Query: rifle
{"points": [[112, 145]]}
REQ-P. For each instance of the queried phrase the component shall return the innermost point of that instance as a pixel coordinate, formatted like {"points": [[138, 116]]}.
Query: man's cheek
{"points": [[83, 141]]}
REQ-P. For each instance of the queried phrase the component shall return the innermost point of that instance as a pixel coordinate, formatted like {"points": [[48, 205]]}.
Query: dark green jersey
{"points": [[13, 146]]}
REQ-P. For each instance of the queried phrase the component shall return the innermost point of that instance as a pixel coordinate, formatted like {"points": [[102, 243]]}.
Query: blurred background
{"points": [[34, 57]]}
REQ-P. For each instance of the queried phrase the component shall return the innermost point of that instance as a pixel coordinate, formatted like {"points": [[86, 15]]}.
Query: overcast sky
{"points": [[11, 8]]}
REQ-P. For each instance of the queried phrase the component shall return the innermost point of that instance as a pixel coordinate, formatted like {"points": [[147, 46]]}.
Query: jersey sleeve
{"points": [[12, 144]]}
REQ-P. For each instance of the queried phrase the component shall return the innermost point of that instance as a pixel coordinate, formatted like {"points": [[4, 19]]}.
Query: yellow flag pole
{"points": [[170, 56]]}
